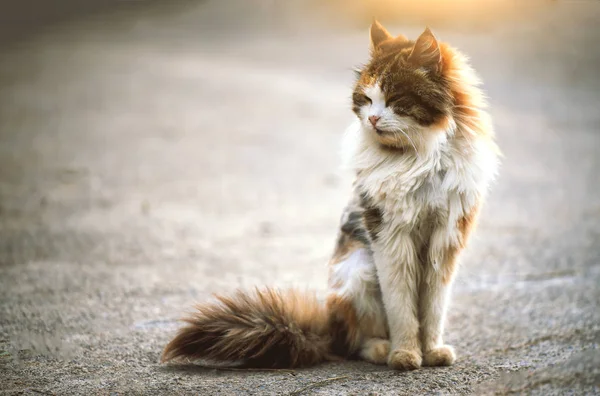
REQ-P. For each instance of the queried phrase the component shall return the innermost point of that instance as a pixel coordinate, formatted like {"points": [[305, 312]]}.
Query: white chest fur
{"points": [[413, 191]]}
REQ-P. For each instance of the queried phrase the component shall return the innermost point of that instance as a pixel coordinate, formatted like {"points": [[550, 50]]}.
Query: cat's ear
{"points": [[378, 35], [426, 52]]}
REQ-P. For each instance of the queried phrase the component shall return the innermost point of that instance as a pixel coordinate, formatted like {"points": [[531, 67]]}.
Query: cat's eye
{"points": [[361, 99], [390, 101], [396, 104]]}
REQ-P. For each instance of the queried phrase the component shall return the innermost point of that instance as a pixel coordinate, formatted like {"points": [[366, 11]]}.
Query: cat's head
{"points": [[402, 96]]}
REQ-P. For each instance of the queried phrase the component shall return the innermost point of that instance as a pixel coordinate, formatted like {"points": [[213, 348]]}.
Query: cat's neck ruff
{"points": [[467, 165], [362, 152]]}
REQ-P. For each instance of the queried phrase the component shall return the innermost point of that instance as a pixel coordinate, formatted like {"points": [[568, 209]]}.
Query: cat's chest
{"points": [[430, 190], [410, 194], [414, 197]]}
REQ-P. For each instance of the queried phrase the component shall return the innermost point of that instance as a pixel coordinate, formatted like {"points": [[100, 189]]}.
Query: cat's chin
{"points": [[393, 139], [421, 142]]}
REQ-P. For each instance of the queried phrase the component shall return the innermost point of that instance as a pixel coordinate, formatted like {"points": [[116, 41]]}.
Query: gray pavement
{"points": [[152, 157]]}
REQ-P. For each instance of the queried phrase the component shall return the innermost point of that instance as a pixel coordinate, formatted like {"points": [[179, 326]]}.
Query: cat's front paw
{"points": [[403, 359], [440, 356]]}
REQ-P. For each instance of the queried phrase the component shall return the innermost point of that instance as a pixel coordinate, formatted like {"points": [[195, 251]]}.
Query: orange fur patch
{"points": [[465, 226], [469, 101], [343, 326]]}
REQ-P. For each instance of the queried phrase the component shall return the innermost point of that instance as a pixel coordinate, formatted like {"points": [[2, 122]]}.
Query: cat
{"points": [[423, 151]]}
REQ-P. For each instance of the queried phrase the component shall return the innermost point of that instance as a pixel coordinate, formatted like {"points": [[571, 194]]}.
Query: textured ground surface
{"points": [[152, 158]]}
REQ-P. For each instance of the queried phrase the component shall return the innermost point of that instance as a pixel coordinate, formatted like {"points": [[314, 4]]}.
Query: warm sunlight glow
{"points": [[480, 13]]}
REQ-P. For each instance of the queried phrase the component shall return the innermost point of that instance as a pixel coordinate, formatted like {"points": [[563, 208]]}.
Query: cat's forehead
{"points": [[381, 75], [391, 71], [400, 77], [393, 80], [374, 91], [383, 60]]}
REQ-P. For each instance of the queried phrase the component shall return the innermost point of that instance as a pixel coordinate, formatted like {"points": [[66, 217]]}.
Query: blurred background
{"points": [[155, 152]]}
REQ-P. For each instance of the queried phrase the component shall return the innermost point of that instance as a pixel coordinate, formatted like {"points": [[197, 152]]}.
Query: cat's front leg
{"points": [[433, 297], [447, 241], [397, 269]]}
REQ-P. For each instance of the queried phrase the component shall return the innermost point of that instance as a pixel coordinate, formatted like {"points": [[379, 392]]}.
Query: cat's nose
{"points": [[374, 119]]}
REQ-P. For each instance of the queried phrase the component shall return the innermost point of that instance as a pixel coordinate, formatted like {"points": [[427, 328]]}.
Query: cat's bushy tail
{"points": [[263, 328]]}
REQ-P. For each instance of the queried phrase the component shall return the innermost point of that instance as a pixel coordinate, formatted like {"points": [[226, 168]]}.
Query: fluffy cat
{"points": [[423, 152]]}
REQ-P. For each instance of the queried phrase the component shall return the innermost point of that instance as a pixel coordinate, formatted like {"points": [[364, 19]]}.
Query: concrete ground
{"points": [[151, 157]]}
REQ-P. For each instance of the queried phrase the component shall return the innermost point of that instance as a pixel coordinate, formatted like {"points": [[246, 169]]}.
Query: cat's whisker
{"points": [[411, 142]]}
